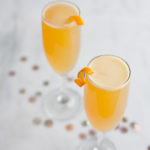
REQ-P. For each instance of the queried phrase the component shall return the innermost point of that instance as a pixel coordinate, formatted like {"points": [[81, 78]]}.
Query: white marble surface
{"points": [[116, 27]]}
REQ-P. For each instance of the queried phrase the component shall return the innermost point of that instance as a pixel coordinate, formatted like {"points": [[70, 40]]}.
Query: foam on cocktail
{"points": [[109, 72]]}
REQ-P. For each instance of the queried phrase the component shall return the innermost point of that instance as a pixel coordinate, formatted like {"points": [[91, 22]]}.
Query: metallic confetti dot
{"points": [[36, 121], [45, 83], [32, 99], [82, 136], [69, 127], [84, 123], [92, 132], [48, 123], [22, 91], [124, 119], [123, 129], [23, 59], [148, 148], [135, 127], [12, 73], [38, 94], [70, 79], [35, 67], [117, 127], [132, 124]]}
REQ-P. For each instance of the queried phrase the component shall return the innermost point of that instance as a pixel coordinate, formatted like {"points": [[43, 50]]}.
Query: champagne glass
{"points": [[105, 97], [61, 41]]}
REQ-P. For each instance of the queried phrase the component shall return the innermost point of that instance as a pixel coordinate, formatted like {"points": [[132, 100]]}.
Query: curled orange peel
{"points": [[77, 19], [80, 81]]}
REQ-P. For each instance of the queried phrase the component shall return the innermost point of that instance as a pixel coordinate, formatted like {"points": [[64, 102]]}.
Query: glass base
{"points": [[93, 144], [62, 104]]}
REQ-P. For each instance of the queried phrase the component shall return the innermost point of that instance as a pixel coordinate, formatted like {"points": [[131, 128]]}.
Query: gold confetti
{"points": [[12, 73], [117, 127], [70, 79], [132, 124], [123, 129], [23, 59], [38, 94], [45, 83], [36, 121], [124, 119], [35, 67], [82, 136], [92, 132], [135, 127], [32, 99], [22, 91], [48, 123], [84, 123], [69, 127]]}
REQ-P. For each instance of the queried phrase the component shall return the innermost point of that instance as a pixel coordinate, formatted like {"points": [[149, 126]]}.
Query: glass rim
{"points": [[109, 88], [58, 2]]}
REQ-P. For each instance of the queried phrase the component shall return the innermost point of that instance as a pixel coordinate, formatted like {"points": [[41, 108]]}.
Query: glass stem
{"points": [[105, 143], [63, 82], [101, 137], [63, 98]]}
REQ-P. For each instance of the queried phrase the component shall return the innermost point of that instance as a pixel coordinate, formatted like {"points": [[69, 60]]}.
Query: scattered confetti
{"points": [[82, 136], [123, 129], [124, 119], [32, 99], [35, 67], [38, 94], [132, 124], [148, 148], [48, 123], [70, 79], [84, 123], [136, 127], [36, 121], [117, 127], [69, 127], [92, 132], [23, 59], [45, 83], [12, 73], [22, 91]]}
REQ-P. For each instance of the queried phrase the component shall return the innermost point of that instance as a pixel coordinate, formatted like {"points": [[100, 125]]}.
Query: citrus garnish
{"points": [[77, 19], [80, 81]]}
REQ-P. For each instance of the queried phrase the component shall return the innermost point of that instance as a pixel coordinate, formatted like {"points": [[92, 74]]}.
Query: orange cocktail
{"points": [[61, 22], [61, 39], [105, 93], [106, 86]]}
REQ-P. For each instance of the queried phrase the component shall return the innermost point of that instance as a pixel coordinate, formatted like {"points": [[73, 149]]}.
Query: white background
{"points": [[119, 27]]}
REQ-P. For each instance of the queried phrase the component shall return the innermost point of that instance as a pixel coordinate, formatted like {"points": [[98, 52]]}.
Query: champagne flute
{"points": [[105, 96], [61, 41]]}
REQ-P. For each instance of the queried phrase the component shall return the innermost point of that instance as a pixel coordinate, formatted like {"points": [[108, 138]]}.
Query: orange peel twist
{"points": [[77, 19], [80, 81]]}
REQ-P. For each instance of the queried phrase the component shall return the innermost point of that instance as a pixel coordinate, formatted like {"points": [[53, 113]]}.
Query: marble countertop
{"points": [[112, 27]]}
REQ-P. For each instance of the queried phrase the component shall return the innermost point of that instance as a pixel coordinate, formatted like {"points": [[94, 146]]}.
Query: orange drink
{"points": [[106, 92], [61, 39], [106, 86], [61, 23]]}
